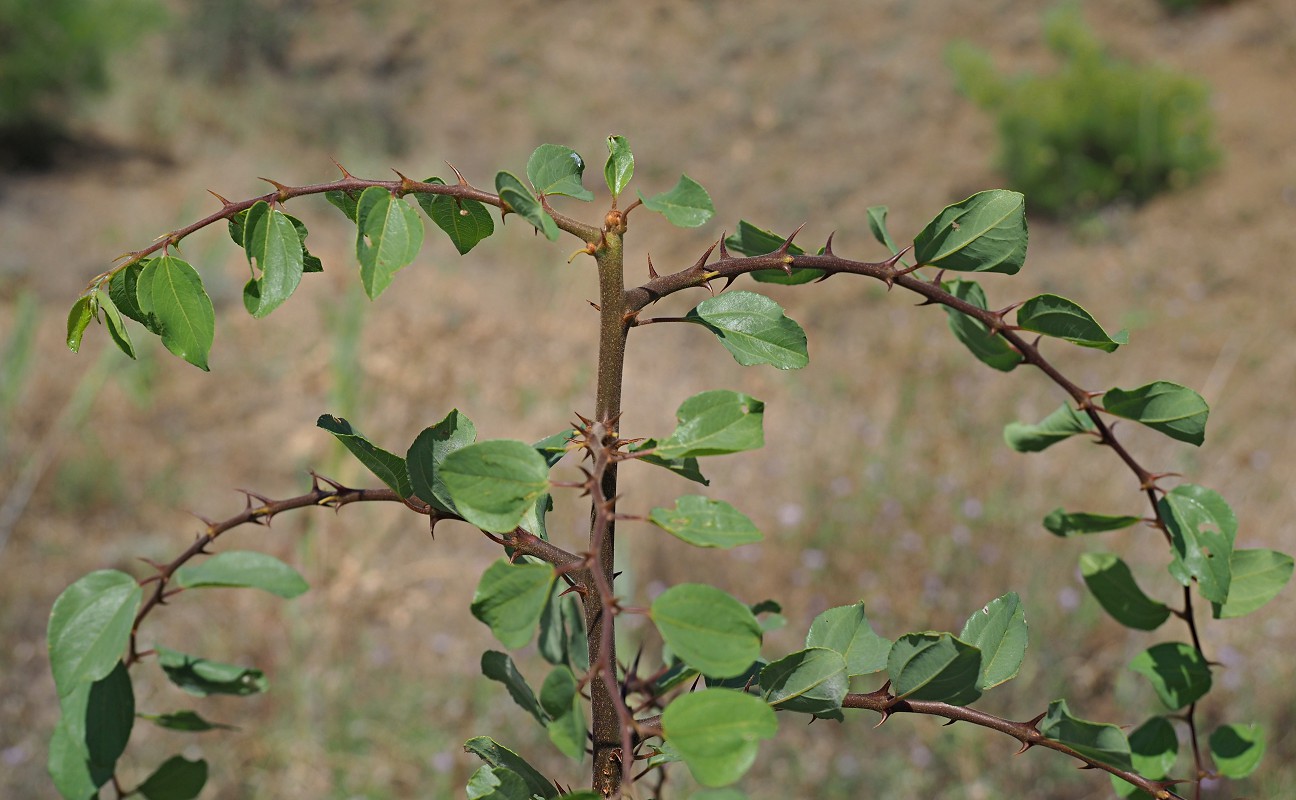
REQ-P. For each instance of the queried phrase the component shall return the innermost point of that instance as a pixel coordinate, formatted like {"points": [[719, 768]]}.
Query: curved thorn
{"points": [[652, 271], [458, 176], [283, 190], [787, 243], [701, 262], [828, 251], [224, 203], [724, 251], [345, 174]]}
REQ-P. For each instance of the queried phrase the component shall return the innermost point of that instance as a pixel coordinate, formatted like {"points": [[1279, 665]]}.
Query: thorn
{"points": [[824, 277], [652, 273], [724, 251], [225, 203], [1033, 722], [729, 282], [908, 270], [787, 265], [458, 176], [155, 565], [1025, 746], [701, 262], [337, 487], [936, 281], [828, 251], [202, 519], [406, 183], [949, 723], [597, 307], [283, 190], [787, 243], [345, 174], [886, 715]]}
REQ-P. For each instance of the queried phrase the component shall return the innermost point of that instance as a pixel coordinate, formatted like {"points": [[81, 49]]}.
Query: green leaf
{"points": [[1174, 410], [705, 523], [510, 599], [577, 640], [718, 732], [500, 667], [1237, 749], [683, 467], [1112, 583], [177, 779], [554, 446], [310, 263], [1154, 749], [1100, 741], [811, 681], [707, 628], [497, 783], [555, 169], [728, 793], [846, 629], [389, 467], [1060, 318], [109, 718], [1060, 523], [1202, 530], [1177, 671], [523, 203], [171, 293], [116, 326], [466, 222], [201, 677], [984, 233], [68, 761], [999, 631], [243, 568], [753, 241], [686, 205], [346, 202], [429, 450], [497, 755], [715, 423], [1256, 577], [1062, 424], [620, 164], [389, 234], [124, 291], [188, 721], [90, 626], [754, 329], [990, 349], [562, 702], [495, 483], [934, 666], [78, 320], [552, 641], [274, 249], [877, 216]]}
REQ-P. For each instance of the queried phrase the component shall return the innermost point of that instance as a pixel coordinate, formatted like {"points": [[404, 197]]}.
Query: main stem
{"points": [[607, 408]]}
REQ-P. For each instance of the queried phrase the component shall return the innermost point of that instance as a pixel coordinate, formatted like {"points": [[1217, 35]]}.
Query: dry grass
{"points": [[883, 477]]}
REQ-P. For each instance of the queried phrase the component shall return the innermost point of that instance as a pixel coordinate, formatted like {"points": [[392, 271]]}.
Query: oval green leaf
{"points": [[389, 467], [423, 460], [495, 483], [274, 250], [999, 631], [177, 779], [170, 292], [389, 234], [1100, 741], [523, 203], [496, 783], [707, 628], [1060, 523], [78, 320], [687, 468], [1177, 671], [619, 168], [201, 677], [562, 702], [1174, 410], [984, 233], [846, 629], [1202, 530], [810, 681], [466, 222], [1237, 749], [110, 716], [686, 205], [754, 329], [1154, 749], [345, 202], [705, 523], [500, 667], [555, 169], [1113, 585], [753, 241], [189, 721], [877, 222], [934, 666], [124, 291], [1061, 318], [497, 755], [1062, 424], [243, 569], [116, 325], [510, 599], [1255, 578], [990, 349], [717, 732], [715, 423], [90, 626]]}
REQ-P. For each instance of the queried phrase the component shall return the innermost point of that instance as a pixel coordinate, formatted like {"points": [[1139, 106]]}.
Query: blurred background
{"points": [[884, 476]]}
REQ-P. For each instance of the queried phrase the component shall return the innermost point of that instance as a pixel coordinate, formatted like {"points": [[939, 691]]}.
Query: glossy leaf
{"points": [[555, 169], [201, 677], [1174, 410], [1154, 749], [619, 168], [717, 732], [242, 568], [1113, 585], [1237, 749], [97, 721], [1255, 578], [934, 666], [1062, 424], [496, 783], [992, 350], [810, 681], [999, 631], [389, 467], [189, 721], [686, 205], [753, 241], [1060, 523], [124, 291], [510, 599], [684, 467], [1202, 530], [310, 263], [984, 233], [754, 329], [500, 667], [68, 761], [523, 203], [116, 325], [552, 641], [705, 523], [497, 755], [346, 202], [177, 779], [389, 234], [274, 249], [78, 320], [554, 446], [170, 292], [429, 450], [715, 423], [877, 222], [89, 628], [1100, 741], [1061, 318], [707, 628], [466, 222], [560, 698], [1177, 671], [846, 629], [495, 483]]}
